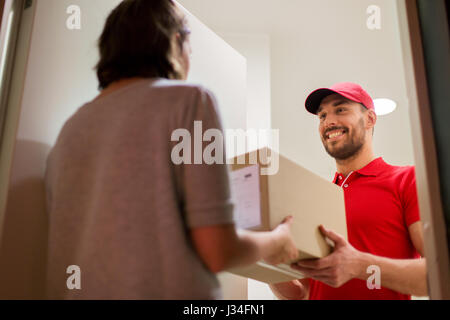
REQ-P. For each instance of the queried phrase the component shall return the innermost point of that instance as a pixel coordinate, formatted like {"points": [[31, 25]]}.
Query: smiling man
{"points": [[383, 222]]}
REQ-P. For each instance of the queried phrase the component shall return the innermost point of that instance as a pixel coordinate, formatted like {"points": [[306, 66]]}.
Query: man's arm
{"points": [[291, 290], [407, 276], [416, 235]]}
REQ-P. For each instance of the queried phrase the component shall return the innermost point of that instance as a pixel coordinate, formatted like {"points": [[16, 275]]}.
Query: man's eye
{"points": [[340, 109]]}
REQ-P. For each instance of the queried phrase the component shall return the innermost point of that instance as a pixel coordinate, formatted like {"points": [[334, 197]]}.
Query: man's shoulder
{"points": [[407, 169], [401, 174]]}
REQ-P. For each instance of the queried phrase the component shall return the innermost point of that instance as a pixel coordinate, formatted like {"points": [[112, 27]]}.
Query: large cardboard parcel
{"points": [[266, 187]]}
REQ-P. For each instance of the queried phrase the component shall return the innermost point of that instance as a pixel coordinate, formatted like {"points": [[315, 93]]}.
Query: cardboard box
{"points": [[266, 187]]}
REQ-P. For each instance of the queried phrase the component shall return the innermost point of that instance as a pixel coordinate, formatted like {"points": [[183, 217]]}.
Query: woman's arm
{"points": [[222, 247]]}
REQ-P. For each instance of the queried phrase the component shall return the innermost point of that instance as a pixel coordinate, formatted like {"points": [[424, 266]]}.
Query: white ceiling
{"points": [[318, 43]]}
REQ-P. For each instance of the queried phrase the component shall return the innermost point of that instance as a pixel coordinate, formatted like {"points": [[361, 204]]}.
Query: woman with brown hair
{"points": [[137, 225]]}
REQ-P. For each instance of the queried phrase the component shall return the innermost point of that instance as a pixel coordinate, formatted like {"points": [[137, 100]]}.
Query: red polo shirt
{"points": [[381, 203]]}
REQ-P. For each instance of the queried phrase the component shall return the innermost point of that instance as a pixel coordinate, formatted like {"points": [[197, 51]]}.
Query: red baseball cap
{"points": [[348, 90]]}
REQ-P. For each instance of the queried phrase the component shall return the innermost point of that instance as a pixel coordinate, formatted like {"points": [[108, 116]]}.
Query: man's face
{"points": [[342, 126]]}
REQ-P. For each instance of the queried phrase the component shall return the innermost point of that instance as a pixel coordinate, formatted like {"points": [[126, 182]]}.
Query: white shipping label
{"points": [[246, 197]]}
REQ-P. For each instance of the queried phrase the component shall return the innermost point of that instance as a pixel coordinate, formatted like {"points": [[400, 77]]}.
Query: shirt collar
{"points": [[373, 169]]}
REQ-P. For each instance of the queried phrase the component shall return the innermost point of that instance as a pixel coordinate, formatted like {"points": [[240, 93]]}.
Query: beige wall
{"points": [[256, 50]]}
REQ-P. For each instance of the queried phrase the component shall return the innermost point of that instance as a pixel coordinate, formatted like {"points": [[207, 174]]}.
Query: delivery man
{"points": [[385, 236]]}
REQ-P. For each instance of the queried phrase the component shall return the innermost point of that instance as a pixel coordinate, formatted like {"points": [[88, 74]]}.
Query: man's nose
{"points": [[330, 121]]}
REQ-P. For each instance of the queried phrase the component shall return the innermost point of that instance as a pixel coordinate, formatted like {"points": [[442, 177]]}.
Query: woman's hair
{"points": [[138, 41]]}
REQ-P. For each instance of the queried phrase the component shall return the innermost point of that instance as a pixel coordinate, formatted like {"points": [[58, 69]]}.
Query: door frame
{"points": [[15, 39], [426, 159]]}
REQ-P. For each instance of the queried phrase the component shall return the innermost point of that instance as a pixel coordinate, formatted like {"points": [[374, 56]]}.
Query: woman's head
{"points": [[144, 38]]}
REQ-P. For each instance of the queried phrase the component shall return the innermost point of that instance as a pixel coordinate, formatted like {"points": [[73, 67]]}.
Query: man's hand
{"points": [[342, 265], [291, 290]]}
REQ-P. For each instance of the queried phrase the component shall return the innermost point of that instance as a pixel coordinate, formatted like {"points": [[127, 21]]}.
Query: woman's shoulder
{"points": [[181, 87]]}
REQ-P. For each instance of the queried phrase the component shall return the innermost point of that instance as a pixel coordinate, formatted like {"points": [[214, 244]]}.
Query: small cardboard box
{"points": [[266, 187]]}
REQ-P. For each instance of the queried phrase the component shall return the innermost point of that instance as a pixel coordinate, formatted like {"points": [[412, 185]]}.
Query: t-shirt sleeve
{"points": [[410, 202], [205, 189]]}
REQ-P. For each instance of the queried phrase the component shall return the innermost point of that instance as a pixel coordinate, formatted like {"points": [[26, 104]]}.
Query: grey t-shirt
{"points": [[118, 206]]}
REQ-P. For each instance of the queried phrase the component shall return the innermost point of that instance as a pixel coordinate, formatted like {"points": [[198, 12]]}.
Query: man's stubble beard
{"points": [[351, 148]]}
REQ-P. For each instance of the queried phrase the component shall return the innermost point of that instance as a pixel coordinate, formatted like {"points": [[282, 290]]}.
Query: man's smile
{"points": [[334, 135]]}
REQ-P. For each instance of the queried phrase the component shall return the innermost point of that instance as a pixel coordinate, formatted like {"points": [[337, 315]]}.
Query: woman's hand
{"points": [[285, 250]]}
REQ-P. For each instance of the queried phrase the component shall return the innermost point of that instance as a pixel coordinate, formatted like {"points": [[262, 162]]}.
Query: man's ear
{"points": [[371, 118]]}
